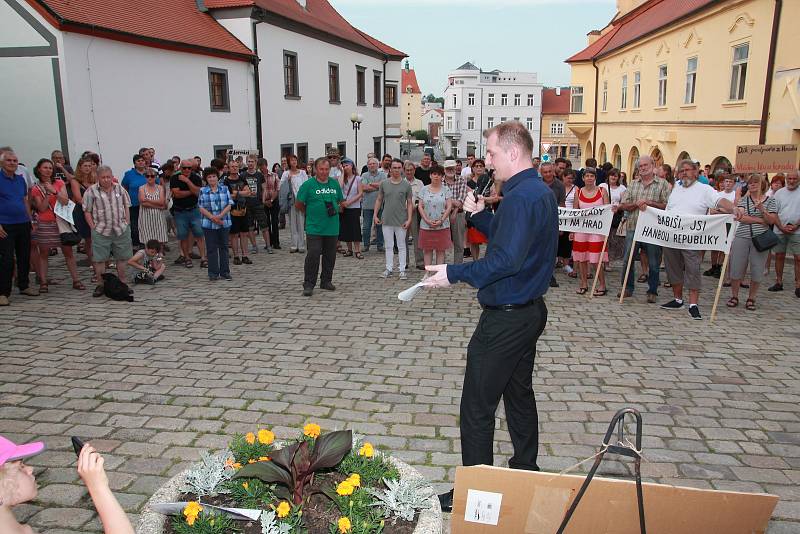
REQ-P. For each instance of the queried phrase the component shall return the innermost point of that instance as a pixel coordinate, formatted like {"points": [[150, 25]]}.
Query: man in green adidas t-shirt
{"points": [[319, 199]]}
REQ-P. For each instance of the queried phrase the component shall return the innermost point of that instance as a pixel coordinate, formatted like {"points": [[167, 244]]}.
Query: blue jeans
{"points": [[217, 250], [366, 228], [653, 259], [186, 221]]}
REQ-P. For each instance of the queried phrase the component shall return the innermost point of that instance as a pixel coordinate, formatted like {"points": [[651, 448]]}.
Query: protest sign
{"points": [[766, 158], [596, 220], [690, 232]]}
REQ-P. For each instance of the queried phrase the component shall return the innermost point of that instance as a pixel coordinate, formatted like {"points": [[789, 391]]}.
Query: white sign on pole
{"points": [[596, 220], [690, 232]]}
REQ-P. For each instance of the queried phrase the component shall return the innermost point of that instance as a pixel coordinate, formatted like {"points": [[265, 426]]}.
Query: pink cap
{"points": [[10, 451]]}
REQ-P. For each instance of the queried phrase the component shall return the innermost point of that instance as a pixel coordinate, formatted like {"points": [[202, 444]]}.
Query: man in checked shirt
{"points": [[458, 223]]}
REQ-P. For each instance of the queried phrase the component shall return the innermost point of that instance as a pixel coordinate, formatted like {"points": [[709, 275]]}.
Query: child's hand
{"points": [[90, 468]]}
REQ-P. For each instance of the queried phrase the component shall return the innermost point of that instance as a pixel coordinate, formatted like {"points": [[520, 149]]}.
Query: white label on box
{"points": [[483, 507]]}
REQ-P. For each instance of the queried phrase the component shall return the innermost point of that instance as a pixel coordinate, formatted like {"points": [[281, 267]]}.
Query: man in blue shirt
{"points": [[15, 228], [511, 279], [132, 181]]}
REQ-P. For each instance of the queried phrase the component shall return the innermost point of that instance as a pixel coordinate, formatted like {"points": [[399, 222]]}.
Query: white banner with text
{"points": [[596, 220], [691, 232]]}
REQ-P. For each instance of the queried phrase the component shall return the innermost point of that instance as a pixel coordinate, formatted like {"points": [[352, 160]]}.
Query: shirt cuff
{"points": [[454, 273]]}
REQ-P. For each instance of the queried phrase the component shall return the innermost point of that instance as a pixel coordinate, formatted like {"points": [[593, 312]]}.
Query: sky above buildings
{"points": [[511, 35]]}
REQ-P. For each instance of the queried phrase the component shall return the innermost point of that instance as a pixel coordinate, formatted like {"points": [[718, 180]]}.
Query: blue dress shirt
{"points": [[523, 238]]}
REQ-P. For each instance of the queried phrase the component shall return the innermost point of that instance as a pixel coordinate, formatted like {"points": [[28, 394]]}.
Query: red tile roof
{"points": [[171, 24], [409, 77], [553, 104], [319, 15], [647, 18]]}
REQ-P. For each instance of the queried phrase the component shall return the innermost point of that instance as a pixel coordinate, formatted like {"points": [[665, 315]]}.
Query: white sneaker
{"points": [[568, 269], [386, 274], [403, 275], [253, 249]]}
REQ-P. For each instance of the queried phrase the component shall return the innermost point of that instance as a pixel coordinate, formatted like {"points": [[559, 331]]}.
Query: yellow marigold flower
{"points": [[245, 485], [191, 511], [250, 438], [367, 450], [264, 459], [237, 465], [354, 479], [251, 461], [229, 462], [265, 437], [311, 430], [283, 509], [345, 488], [344, 525]]}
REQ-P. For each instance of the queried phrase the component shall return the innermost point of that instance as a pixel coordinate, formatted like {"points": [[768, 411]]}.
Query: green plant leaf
{"points": [[266, 471], [285, 456], [329, 449], [282, 492]]}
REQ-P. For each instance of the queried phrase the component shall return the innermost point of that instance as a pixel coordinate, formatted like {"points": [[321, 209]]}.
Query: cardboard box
{"points": [[535, 503], [766, 158]]}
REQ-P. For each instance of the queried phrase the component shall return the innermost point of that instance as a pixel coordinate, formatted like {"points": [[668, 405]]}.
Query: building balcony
{"points": [[452, 134]]}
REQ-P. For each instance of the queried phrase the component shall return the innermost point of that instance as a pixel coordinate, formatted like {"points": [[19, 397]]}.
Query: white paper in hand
{"points": [[411, 292]]}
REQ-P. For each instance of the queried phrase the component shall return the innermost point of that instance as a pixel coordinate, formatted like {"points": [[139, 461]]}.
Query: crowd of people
{"points": [[412, 213]]}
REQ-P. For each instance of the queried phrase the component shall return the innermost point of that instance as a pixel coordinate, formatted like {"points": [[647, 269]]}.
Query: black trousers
{"points": [[273, 218], [134, 211], [16, 243], [500, 364], [316, 246]]}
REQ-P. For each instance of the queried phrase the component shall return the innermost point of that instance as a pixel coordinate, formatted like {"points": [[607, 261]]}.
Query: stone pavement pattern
{"points": [[155, 382]]}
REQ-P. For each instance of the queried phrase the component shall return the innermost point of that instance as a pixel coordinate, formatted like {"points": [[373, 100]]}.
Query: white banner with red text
{"points": [[595, 220], [691, 232]]}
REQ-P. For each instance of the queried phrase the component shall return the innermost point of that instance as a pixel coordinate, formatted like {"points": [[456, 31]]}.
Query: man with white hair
{"points": [[15, 228], [787, 224], [691, 197], [371, 182]]}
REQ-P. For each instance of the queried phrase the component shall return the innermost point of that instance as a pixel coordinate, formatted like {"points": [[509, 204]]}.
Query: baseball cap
{"points": [[348, 160], [10, 451], [333, 153], [449, 163]]}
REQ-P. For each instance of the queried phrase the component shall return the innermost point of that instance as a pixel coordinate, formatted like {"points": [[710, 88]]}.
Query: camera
{"points": [[331, 209]]}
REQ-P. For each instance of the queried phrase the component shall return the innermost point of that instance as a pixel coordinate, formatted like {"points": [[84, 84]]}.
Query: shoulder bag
{"points": [[763, 241]]}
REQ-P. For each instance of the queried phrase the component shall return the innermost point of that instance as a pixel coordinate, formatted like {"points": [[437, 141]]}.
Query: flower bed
{"points": [[318, 483]]}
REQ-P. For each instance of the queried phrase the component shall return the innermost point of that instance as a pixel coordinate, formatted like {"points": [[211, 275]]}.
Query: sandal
{"points": [[43, 288], [733, 302], [78, 285], [359, 255], [188, 264], [204, 264], [667, 284], [642, 278], [573, 274], [582, 290], [750, 304], [600, 292], [347, 254]]}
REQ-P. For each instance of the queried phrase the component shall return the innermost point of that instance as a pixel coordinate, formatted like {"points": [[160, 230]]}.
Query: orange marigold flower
{"points": [[265, 437], [250, 438], [311, 430]]}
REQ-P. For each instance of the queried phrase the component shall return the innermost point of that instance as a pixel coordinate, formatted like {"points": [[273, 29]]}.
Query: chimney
{"points": [[558, 91], [302, 3], [592, 36]]}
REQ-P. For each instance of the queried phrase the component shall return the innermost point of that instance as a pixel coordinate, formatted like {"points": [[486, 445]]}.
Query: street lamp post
{"points": [[356, 119]]}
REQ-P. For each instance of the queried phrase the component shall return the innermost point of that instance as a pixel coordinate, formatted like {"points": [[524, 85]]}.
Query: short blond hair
{"points": [[512, 133], [762, 180]]}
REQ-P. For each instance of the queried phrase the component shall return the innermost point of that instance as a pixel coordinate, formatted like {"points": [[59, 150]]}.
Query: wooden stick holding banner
{"points": [[627, 273], [599, 266], [731, 235]]}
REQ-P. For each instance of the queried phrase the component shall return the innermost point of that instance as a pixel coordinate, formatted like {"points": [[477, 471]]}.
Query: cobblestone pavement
{"points": [[155, 382]]}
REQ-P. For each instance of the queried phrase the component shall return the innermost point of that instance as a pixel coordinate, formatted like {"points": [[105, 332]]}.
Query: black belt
{"points": [[510, 307]]}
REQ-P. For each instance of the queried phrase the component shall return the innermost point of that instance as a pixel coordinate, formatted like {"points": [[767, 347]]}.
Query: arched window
{"points": [[682, 156], [602, 157], [658, 157], [616, 157], [633, 162], [589, 151]]}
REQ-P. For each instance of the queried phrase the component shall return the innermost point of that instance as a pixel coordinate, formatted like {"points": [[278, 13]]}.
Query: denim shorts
{"points": [[188, 220]]}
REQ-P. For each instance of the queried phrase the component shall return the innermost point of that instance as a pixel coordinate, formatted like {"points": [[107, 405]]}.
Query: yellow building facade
{"points": [[687, 79]]}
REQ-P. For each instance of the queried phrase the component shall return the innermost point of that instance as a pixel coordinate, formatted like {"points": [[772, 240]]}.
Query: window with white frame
{"points": [[637, 89], [490, 100], [605, 95], [503, 99], [530, 100], [741, 54], [557, 128], [503, 119], [529, 123], [490, 122], [449, 124], [662, 85], [455, 101], [691, 80], [471, 99], [517, 100], [576, 99], [623, 104], [470, 123]]}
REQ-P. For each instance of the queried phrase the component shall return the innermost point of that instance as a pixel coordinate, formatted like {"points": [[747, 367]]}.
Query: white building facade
{"points": [[256, 76], [475, 100]]}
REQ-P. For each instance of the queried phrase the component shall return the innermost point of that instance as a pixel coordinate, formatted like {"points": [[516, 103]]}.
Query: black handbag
{"points": [[763, 241]]}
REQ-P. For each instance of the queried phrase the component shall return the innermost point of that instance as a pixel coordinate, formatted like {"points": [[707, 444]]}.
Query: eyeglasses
{"points": [[151, 175]]}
